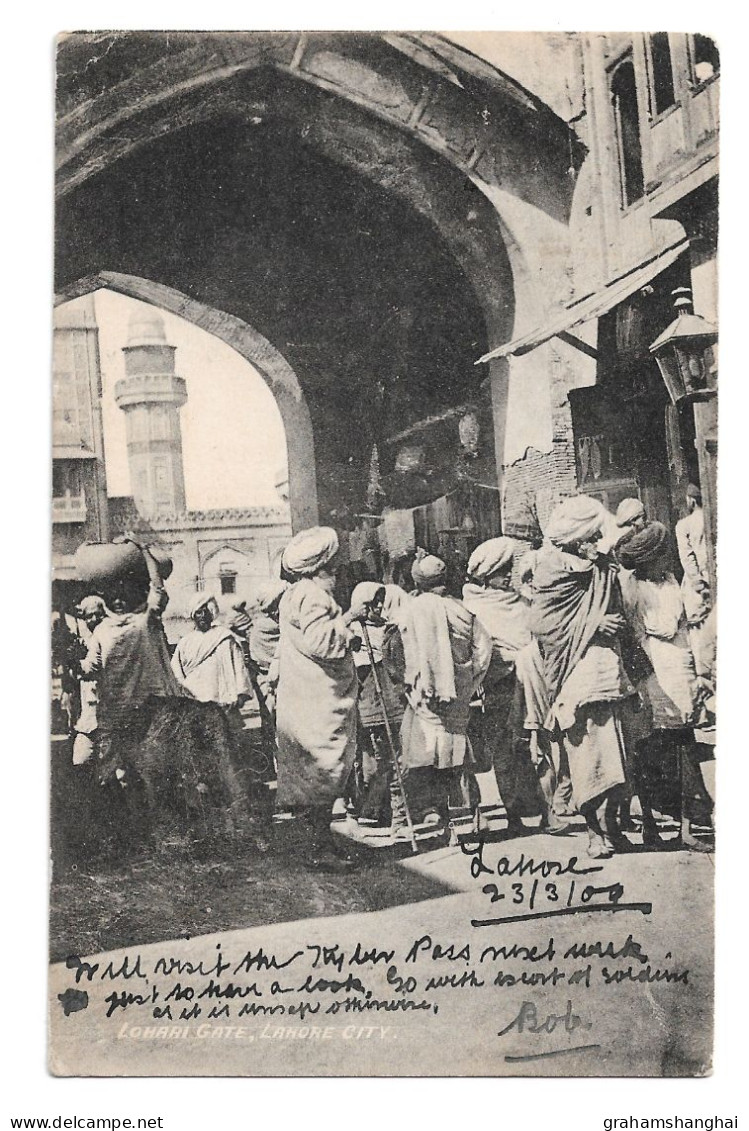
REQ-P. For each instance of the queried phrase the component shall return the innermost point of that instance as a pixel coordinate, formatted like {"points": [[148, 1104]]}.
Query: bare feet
{"points": [[598, 848]]}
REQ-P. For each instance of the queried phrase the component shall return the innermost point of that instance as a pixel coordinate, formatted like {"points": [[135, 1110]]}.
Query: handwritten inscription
{"points": [[544, 992], [530, 1019], [330, 980], [544, 889]]}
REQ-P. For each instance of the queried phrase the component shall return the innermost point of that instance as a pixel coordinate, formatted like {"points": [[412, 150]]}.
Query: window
{"points": [[65, 414], [228, 583], [66, 480], [662, 94], [627, 132], [705, 58]]}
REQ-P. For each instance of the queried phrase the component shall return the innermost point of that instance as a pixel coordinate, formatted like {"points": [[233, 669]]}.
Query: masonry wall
{"points": [[538, 480]]}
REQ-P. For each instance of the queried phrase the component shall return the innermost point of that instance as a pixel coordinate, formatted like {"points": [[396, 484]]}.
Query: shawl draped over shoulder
{"points": [[427, 648], [447, 654], [571, 598], [211, 666], [506, 615]]}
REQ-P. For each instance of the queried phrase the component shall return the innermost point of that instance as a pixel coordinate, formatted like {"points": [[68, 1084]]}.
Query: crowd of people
{"points": [[575, 673]]}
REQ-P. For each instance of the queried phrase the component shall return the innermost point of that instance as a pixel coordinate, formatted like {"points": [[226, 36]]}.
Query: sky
{"points": [[233, 438]]}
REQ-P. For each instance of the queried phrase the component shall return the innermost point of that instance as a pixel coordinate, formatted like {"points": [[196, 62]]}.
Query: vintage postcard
{"points": [[384, 580]]}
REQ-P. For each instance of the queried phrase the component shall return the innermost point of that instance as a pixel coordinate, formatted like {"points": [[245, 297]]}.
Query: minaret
{"points": [[151, 396]]}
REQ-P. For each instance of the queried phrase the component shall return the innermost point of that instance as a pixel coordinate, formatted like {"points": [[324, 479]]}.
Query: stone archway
{"points": [[425, 122], [262, 355]]}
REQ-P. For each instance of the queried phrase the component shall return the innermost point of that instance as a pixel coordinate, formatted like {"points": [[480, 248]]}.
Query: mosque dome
{"points": [[146, 328]]}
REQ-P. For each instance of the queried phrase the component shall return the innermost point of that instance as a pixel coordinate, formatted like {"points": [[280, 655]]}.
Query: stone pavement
{"points": [[589, 972]]}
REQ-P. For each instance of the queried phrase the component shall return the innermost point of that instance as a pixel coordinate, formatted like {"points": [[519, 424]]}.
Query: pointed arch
{"points": [[262, 355]]}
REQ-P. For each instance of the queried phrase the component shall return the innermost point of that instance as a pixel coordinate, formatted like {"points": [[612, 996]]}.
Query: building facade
{"points": [[79, 484], [227, 552], [643, 223], [537, 199]]}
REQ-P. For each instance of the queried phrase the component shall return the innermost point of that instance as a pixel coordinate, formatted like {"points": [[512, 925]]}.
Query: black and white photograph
{"points": [[383, 554]]}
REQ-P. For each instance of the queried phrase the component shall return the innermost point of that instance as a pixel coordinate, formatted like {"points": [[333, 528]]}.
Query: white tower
{"points": [[151, 396]]}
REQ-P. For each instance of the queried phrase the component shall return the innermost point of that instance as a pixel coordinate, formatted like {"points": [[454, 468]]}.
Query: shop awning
{"points": [[593, 306]]}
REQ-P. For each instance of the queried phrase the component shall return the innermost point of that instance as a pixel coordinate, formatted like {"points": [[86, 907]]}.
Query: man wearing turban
{"points": [[264, 636], [92, 612], [515, 704], [670, 689], [378, 801], [239, 622], [209, 663], [317, 688], [447, 653], [576, 619], [152, 732], [129, 658], [698, 597], [630, 517]]}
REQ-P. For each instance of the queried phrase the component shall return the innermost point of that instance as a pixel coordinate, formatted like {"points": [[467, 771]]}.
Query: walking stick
{"points": [[391, 742]]}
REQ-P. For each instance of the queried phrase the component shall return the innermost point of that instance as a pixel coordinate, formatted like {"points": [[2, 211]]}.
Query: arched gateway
{"points": [[263, 356], [347, 211]]}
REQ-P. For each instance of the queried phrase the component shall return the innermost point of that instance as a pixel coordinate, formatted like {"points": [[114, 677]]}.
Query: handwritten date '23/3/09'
{"points": [[526, 889], [530, 889]]}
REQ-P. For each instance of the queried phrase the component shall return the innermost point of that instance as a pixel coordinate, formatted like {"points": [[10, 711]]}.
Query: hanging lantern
{"points": [[684, 353]]}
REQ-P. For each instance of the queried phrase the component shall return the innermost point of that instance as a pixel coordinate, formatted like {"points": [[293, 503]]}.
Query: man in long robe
{"points": [[208, 661], [171, 755], [576, 619], [699, 601], [670, 689], [376, 798], [316, 699], [515, 703], [447, 654], [264, 638]]}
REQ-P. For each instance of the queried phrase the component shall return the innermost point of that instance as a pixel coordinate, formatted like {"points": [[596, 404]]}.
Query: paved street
{"points": [[550, 1001]]}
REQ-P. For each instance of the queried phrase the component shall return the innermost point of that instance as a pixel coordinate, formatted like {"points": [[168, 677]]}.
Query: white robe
{"points": [[316, 699], [211, 666], [505, 614], [433, 733], [655, 610]]}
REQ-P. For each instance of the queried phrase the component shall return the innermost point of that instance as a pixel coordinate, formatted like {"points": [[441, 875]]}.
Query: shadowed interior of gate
{"points": [[357, 290]]}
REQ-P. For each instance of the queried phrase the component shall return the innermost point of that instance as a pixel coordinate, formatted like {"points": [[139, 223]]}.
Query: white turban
{"points": [[366, 592], [310, 550], [628, 510], [490, 557], [202, 600], [91, 605], [579, 519], [395, 599], [428, 571], [270, 593]]}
